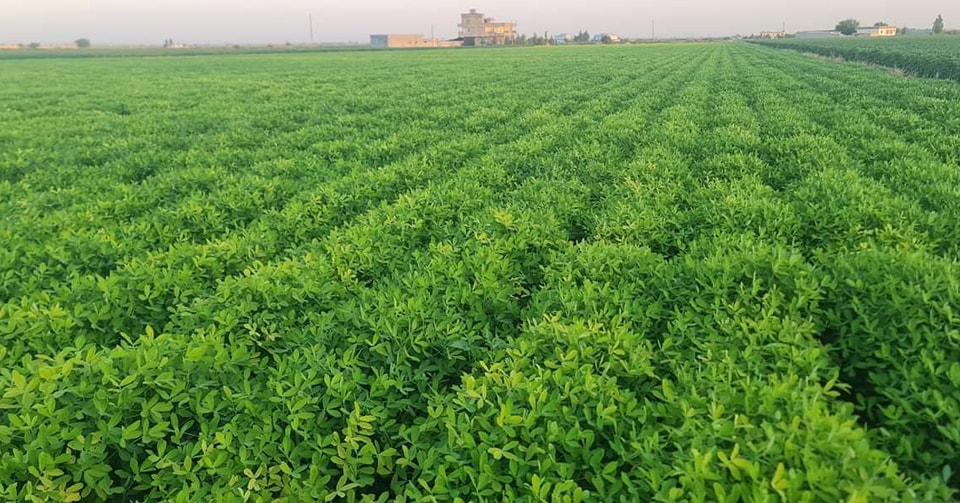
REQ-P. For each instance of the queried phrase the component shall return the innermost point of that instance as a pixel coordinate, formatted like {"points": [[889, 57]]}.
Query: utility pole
{"points": [[311, 28]]}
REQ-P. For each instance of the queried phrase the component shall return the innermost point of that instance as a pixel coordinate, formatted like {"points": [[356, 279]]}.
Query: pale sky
{"points": [[278, 21]]}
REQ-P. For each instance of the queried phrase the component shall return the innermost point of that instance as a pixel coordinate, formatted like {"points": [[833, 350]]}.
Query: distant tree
{"points": [[848, 26], [938, 24], [536, 39], [82, 43], [902, 31], [34, 45]]}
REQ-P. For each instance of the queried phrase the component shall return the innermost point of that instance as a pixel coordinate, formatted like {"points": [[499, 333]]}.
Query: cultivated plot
{"points": [[673, 272]]}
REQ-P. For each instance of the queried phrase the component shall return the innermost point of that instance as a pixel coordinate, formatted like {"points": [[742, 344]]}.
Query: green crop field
{"points": [[937, 57], [714, 272]]}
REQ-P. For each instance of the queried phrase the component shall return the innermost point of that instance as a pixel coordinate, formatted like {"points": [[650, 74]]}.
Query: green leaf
{"points": [[19, 380]]}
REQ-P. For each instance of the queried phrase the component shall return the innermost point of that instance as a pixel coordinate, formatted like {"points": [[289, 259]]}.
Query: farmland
{"points": [[663, 273], [937, 57]]}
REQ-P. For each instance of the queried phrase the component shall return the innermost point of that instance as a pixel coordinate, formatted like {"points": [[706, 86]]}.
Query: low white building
{"points": [[611, 38], [877, 31], [818, 34]]}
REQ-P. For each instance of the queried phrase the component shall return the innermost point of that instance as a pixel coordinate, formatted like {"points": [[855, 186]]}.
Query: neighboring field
{"points": [[678, 272], [156, 52], [937, 57]]}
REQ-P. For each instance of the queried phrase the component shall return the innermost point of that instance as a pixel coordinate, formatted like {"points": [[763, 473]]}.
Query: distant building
{"points": [[397, 41], [609, 38], [9, 47], [818, 34], [561, 39], [877, 31], [918, 32], [773, 34], [477, 29]]}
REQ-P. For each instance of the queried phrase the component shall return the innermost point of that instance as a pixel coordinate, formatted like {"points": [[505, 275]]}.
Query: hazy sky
{"points": [[278, 21]]}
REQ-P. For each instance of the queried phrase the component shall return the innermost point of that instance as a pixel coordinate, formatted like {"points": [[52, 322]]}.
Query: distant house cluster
{"points": [[476, 29], [867, 31]]}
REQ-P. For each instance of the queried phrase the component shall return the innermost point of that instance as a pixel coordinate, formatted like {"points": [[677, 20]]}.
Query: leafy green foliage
{"points": [[935, 57], [689, 272]]}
